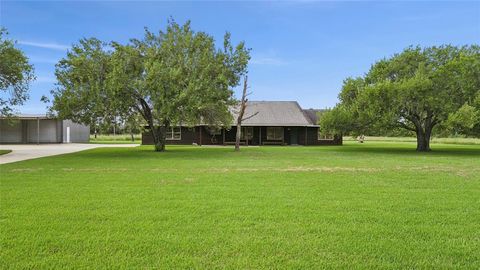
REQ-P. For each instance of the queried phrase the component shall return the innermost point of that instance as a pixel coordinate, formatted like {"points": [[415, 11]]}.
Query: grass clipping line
{"points": [[456, 171]]}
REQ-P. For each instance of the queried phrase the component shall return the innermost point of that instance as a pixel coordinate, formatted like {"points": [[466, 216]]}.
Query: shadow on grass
{"points": [[172, 152], [195, 152]]}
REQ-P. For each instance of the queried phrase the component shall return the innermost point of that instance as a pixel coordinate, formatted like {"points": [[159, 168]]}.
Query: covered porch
{"points": [[261, 135]]}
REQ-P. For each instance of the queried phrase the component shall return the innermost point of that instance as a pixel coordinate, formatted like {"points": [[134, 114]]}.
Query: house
{"points": [[277, 123], [41, 129]]}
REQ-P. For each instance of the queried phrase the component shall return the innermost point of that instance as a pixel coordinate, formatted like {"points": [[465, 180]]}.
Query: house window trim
{"points": [[172, 130], [276, 139]]}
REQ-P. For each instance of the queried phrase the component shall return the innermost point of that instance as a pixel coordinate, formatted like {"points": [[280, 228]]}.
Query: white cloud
{"points": [[267, 60], [53, 46]]}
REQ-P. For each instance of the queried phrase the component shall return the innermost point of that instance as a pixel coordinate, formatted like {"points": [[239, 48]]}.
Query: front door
{"points": [[293, 136]]}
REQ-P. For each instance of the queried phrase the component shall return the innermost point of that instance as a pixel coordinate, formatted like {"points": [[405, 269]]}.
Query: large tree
{"points": [[81, 93], [175, 77], [15, 75], [417, 90]]}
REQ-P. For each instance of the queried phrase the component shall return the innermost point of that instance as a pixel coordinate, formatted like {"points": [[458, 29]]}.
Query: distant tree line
{"points": [[117, 125]]}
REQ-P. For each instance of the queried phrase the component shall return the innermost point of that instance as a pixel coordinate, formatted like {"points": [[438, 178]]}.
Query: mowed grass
{"points": [[116, 139], [357, 206], [3, 152], [455, 140]]}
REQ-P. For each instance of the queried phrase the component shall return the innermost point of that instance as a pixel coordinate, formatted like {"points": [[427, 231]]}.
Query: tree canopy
{"points": [[15, 75], [417, 90], [177, 76]]}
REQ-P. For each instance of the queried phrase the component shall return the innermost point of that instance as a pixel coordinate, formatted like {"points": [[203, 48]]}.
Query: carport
{"points": [[23, 129]]}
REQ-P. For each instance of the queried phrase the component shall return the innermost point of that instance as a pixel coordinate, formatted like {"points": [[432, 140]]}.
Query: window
{"points": [[247, 133], [275, 133], [174, 133], [322, 136]]}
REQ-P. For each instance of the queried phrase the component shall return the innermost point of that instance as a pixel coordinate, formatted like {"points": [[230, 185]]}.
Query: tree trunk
{"points": [[157, 135], [238, 135], [423, 128], [243, 106], [131, 136], [159, 146], [159, 139], [423, 138]]}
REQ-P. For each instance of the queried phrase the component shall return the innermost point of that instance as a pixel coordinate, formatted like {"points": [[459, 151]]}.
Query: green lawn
{"points": [[3, 152], [116, 139], [457, 140], [358, 206]]}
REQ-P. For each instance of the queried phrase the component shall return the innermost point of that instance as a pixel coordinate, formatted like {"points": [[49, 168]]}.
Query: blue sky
{"points": [[300, 50]]}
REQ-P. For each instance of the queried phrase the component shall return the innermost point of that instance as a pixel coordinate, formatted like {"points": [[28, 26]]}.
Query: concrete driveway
{"points": [[30, 151]]}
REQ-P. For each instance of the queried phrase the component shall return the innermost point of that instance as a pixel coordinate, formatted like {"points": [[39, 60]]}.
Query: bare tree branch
{"points": [[248, 117]]}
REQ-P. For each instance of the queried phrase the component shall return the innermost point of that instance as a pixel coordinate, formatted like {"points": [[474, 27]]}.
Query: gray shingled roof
{"points": [[29, 116], [312, 114], [274, 113]]}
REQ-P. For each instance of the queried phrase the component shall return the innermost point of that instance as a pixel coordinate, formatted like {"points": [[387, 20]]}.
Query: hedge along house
{"points": [[41, 129], [277, 123]]}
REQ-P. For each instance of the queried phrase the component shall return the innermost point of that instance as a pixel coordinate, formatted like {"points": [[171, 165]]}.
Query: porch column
{"points": [[306, 130], [260, 137]]}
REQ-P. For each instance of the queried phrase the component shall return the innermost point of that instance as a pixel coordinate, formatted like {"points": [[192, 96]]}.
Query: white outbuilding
{"points": [[38, 129]]}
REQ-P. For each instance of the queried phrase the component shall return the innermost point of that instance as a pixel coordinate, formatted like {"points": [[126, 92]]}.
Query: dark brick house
{"points": [[277, 123]]}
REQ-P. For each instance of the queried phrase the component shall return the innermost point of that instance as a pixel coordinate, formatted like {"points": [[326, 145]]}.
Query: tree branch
{"points": [[405, 126], [250, 116]]}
